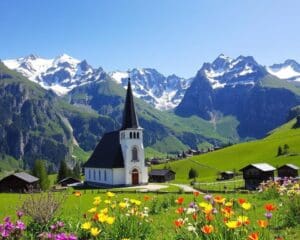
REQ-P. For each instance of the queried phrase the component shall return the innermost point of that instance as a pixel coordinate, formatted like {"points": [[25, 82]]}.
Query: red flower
{"points": [[180, 210], [253, 236], [95, 217], [241, 200], [270, 207], [195, 216], [207, 229], [146, 197], [178, 223], [209, 217], [196, 194], [180, 200]]}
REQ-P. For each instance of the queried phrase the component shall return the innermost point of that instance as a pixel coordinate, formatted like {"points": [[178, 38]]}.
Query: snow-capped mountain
{"points": [[226, 71], [148, 84], [60, 74], [64, 73], [289, 70]]}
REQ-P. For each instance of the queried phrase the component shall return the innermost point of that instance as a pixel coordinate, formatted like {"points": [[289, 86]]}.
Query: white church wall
{"points": [[118, 176]]}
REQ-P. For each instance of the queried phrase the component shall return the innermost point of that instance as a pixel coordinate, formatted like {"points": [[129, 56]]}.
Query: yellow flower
{"points": [[104, 210], [232, 224], [110, 220], [207, 207], [102, 218], [96, 202], [97, 198], [107, 201], [243, 220], [86, 225], [136, 202], [228, 204], [110, 194], [122, 205], [95, 231], [92, 210], [246, 205]]}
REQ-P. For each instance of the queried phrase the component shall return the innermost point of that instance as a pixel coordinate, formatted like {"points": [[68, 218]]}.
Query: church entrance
{"points": [[135, 177]]}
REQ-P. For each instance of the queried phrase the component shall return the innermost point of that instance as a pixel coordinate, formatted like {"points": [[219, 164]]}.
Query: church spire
{"points": [[129, 116]]}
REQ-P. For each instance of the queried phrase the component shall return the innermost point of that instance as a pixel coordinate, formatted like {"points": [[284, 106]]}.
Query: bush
{"points": [[193, 173]]}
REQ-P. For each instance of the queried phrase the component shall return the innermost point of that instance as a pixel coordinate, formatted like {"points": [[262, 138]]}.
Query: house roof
{"points": [[265, 167], [160, 172], [26, 177], [130, 119], [290, 165], [69, 178], [108, 153]]}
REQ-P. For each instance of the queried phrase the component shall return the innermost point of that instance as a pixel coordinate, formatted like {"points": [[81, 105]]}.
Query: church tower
{"points": [[131, 141]]}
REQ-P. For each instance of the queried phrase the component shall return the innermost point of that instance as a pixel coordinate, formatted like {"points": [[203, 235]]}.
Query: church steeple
{"points": [[129, 116]]}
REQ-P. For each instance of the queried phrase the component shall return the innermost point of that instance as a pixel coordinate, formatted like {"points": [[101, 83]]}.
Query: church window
{"points": [[94, 174], [134, 152], [99, 174], [138, 135], [105, 177], [134, 135], [130, 135], [89, 177]]}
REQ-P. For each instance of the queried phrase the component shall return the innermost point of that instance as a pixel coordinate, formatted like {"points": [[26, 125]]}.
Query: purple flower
{"points": [[192, 205], [7, 219], [60, 224], [4, 233], [72, 237], [20, 225], [268, 215], [208, 197], [20, 214], [9, 226], [53, 227], [61, 236]]}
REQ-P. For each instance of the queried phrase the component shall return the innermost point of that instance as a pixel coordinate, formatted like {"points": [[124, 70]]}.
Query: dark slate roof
{"points": [[129, 116], [69, 178], [26, 177], [160, 172], [290, 166], [108, 153], [265, 167]]}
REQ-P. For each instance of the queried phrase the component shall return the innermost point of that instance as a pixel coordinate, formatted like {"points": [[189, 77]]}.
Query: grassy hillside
{"points": [[239, 155]]}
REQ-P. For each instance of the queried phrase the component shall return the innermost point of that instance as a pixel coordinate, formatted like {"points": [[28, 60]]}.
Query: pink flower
{"points": [[20, 225]]}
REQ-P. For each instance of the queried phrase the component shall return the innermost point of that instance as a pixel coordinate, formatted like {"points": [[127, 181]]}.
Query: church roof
{"points": [[108, 153], [129, 116]]}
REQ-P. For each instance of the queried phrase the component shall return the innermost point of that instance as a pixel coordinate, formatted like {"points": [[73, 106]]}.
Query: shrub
{"points": [[42, 207]]}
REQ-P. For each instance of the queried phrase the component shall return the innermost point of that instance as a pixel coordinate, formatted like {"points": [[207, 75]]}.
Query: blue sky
{"points": [[171, 35]]}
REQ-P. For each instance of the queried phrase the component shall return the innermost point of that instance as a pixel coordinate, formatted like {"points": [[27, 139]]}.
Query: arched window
{"points": [[130, 135], [134, 152], [134, 135], [137, 135], [94, 174], [99, 174], [105, 175], [89, 174]]}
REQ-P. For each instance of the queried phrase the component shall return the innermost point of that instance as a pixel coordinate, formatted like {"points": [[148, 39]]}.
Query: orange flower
{"points": [[262, 223], [180, 210], [179, 200], [178, 223], [95, 217], [146, 197], [207, 229], [196, 194], [227, 212], [219, 199], [77, 194], [253, 236], [270, 207], [195, 216], [209, 217], [241, 200]]}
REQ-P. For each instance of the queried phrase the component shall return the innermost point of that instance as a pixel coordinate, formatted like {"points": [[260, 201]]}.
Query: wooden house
{"points": [[254, 174], [19, 182], [161, 175], [69, 181], [288, 170], [226, 175]]}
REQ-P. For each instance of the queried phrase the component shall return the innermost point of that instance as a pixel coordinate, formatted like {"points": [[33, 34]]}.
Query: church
{"points": [[118, 159]]}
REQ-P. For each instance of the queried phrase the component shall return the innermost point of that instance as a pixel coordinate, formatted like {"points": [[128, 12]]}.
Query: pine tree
{"points": [[40, 171], [286, 149], [77, 171], [193, 173], [279, 151], [63, 171]]}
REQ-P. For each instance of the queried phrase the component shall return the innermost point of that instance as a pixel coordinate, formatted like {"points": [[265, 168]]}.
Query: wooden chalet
{"points": [[19, 182], [226, 175], [161, 175], [69, 181], [254, 174], [288, 170]]}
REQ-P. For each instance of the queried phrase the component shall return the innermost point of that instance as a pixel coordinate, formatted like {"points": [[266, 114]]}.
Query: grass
{"points": [[237, 156]]}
